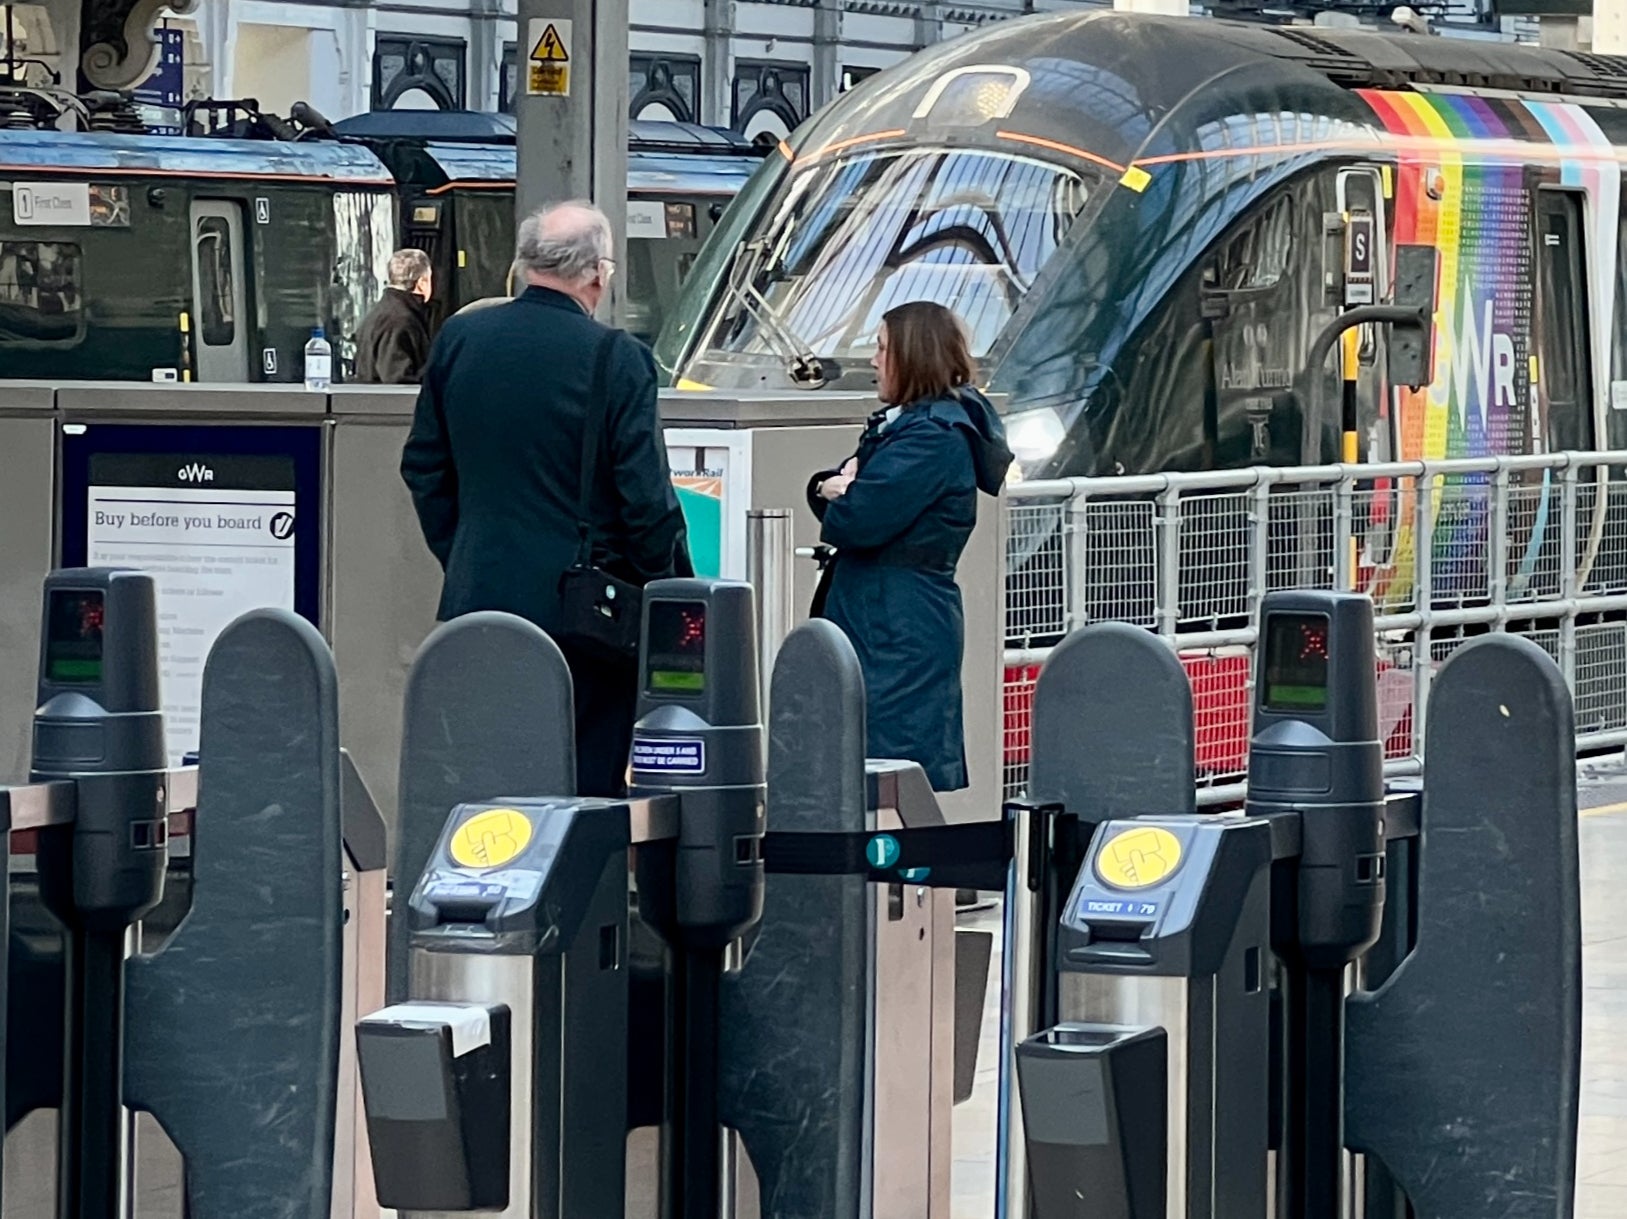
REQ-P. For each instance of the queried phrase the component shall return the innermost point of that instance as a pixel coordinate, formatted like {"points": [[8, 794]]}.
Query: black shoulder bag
{"points": [[599, 612]]}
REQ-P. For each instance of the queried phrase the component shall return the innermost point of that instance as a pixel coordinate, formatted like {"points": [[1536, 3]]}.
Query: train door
{"points": [[220, 319], [1563, 415]]}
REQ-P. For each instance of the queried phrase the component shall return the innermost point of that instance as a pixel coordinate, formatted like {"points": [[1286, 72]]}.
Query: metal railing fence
{"points": [[1534, 544]]}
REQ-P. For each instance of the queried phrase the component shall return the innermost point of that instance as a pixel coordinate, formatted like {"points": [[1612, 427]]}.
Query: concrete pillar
{"points": [[827, 55], [575, 146], [928, 23], [717, 63], [485, 55], [1565, 33]]}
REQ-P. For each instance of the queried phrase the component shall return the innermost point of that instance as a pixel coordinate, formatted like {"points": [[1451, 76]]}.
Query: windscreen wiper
{"points": [[806, 370]]}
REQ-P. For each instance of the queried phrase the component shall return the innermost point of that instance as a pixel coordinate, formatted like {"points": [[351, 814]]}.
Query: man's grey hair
{"points": [[566, 241], [407, 267]]}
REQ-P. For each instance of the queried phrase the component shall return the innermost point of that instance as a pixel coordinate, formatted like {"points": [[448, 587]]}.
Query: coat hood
{"points": [[967, 409]]}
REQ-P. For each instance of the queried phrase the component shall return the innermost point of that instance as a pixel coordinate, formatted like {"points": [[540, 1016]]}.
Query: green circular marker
{"points": [[914, 876], [882, 851]]}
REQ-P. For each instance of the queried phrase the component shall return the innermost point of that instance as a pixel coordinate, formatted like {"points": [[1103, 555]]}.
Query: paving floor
{"points": [[1602, 1163]]}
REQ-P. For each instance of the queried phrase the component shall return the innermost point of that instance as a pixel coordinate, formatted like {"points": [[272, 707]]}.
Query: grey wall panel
{"points": [[384, 585], [189, 402], [982, 588], [27, 493]]}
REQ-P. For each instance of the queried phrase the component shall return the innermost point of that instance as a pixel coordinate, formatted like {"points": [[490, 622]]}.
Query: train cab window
{"points": [[40, 292], [216, 318], [853, 237], [1564, 398]]}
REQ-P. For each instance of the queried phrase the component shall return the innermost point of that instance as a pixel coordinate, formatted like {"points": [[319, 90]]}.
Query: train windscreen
{"points": [[848, 239]]}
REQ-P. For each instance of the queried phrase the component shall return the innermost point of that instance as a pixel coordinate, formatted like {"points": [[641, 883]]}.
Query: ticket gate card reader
{"points": [[699, 737], [1315, 757], [501, 1085], [100, 725]]}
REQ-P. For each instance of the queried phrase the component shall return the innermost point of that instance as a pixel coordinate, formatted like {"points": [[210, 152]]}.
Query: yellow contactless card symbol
{"points": [[1136, 858], [492, 838]]}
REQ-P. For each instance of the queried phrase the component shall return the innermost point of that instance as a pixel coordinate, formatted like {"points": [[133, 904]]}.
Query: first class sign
{"points": [[56, 204]]}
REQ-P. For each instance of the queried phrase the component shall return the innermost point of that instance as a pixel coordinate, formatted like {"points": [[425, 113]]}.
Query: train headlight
{"points": [[1034, 436]]}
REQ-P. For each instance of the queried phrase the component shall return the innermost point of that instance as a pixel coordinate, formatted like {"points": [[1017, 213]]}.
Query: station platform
{"points": [[1601, 1170]]}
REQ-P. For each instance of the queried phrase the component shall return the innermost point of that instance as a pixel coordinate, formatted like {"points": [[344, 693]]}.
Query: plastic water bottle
{"points": [[318, 361]]}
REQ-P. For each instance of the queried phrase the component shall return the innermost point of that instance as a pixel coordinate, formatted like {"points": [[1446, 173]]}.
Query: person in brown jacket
{"points": [[392, 344]]}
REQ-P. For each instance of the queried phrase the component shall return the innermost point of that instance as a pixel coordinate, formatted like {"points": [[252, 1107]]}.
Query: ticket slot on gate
{"points": [[440, 1102], [1094, 1111]]}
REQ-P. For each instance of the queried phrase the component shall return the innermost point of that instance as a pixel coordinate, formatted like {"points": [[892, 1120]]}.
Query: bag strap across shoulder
{"points": [[592, 429]]}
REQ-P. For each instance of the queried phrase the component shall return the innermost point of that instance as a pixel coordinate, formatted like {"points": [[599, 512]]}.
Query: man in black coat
{"points": [[393, 341], [494, 462]]}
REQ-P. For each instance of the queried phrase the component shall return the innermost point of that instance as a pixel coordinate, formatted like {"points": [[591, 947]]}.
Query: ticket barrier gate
{"points": [[515, 937], [832, 1061], [1212, 1058], [37, 962], [253, 973]]}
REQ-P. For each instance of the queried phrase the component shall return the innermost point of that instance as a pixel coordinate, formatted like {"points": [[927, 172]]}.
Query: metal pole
{"points": [[572, 113], [769, 570], [1020, 1008]]}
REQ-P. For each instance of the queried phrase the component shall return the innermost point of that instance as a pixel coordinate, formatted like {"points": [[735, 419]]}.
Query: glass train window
{"points": [[853, 238], [1257, 254], [215, 314], [1565, 400], [40, 292]]}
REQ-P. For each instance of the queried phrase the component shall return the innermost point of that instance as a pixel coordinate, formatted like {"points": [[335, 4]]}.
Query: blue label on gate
{"points": [[1096, 908], [464, 891], [669, 756]]}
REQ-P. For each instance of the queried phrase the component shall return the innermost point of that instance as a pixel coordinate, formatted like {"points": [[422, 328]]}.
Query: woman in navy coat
{"points": [[899, 513]]}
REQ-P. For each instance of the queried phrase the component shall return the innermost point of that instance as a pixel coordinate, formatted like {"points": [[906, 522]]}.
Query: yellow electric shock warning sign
{"points": [[548, 66], [1136, 858], [492, 838]]}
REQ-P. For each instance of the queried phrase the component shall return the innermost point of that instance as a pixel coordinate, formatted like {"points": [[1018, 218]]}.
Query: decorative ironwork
{"points": [[769, 89], [664, 86], [436, 67]]}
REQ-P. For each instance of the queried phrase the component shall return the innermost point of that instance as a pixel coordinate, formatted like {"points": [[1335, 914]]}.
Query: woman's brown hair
{"points": [[927, 351]]}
